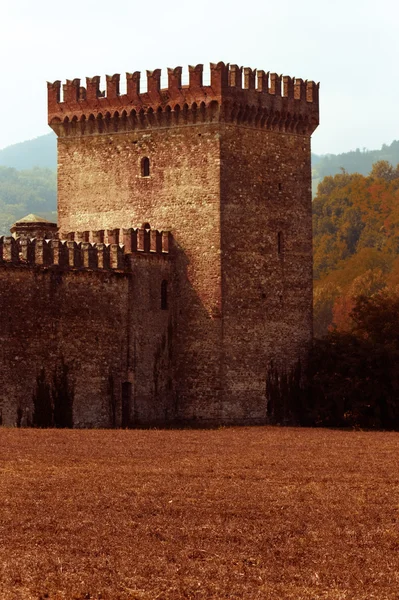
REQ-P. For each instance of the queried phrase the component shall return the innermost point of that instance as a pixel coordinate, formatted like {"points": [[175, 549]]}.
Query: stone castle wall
{"points": [[100, 186], [266, 262], [104, 324]]}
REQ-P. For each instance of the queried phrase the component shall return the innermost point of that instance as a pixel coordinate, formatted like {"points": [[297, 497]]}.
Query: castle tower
{"points": [[226, 168]]}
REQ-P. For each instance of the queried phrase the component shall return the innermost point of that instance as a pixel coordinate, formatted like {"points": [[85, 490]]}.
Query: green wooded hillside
{"points": [[25, 192], [28, 180]]}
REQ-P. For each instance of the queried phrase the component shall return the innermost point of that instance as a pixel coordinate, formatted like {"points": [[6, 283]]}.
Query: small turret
{"points": [[33, 226]]}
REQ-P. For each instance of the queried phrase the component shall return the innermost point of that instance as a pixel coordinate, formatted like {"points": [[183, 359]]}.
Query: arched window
{"points": [[145, 167], [164, 295], [280, 243]]}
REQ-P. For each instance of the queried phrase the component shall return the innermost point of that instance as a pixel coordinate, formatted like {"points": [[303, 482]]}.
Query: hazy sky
{"points": [[350, 46]]}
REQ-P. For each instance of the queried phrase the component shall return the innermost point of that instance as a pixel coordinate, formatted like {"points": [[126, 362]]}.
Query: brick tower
{"points": [[226, 168]]}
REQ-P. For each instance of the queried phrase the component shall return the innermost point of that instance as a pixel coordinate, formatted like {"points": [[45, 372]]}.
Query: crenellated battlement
{"points": [[77, 251], [142, 239], [240, 95]]}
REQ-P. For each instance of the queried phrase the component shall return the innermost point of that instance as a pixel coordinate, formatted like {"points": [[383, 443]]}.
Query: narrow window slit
{"points": [[145, 167]]}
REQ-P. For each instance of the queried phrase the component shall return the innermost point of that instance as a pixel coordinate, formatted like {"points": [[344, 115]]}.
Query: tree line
{"points": [[353, 372]]}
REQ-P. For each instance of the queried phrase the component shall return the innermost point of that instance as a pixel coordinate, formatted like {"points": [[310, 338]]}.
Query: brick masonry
{"points": [[229, 177]]}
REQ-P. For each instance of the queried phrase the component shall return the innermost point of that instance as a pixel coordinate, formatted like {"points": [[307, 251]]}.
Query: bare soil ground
{"points": [[252, 513]]}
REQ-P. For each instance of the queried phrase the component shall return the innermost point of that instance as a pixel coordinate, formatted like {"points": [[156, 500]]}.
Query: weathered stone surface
{"points": [[226, 169], [102, 324], [266, 261]]}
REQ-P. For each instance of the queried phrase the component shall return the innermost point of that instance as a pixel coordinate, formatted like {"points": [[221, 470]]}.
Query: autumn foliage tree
{"points": [[356, 242], [355, 363]]}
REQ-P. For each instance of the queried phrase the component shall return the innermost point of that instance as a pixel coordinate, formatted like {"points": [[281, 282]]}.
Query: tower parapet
{"points": [[244, 96]]}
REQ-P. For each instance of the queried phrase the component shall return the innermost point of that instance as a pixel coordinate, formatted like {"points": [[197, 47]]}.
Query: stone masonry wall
{"points": [[89, 320], [226, 192], [100, 186], [151, 338], [266, 262]]}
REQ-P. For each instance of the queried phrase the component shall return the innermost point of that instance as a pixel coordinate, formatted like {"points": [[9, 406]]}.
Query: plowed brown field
{"points": [[251, 513]]}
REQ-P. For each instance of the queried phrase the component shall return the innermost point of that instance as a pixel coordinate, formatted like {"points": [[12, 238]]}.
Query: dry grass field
{"points": [[252, 513]]}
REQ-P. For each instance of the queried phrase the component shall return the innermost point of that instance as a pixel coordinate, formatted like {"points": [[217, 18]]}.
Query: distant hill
{"points": [[355, 161], [28, 181], [24, 192], [39, 152]]}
